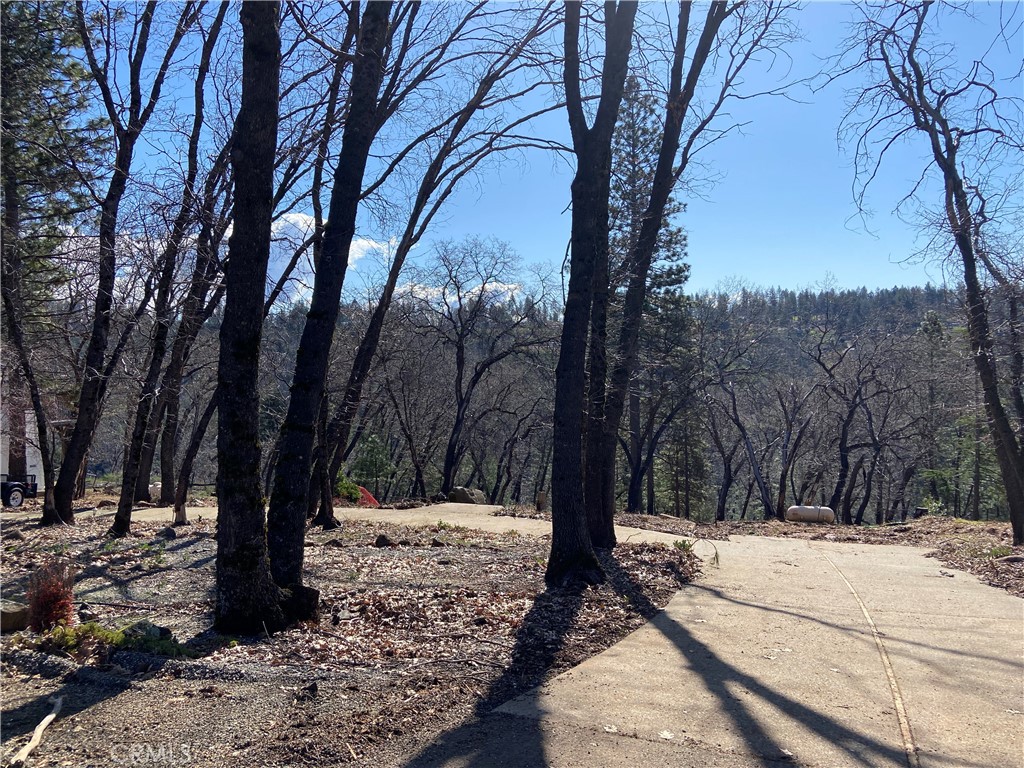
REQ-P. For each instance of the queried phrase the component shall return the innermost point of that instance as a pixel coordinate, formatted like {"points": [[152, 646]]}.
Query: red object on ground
{"points": [[366, 498]]}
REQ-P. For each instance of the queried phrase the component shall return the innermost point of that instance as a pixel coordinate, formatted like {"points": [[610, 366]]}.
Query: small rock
{"points": [[13, 616], [436, 542], [460, 495], [308, 693], [334, 543], [383, 541], [14, 535], [105, 503], [146, 628], [168, 533]]}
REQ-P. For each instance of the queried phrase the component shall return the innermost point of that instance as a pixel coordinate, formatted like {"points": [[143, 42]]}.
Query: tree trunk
{"points": [[847, 501], [247, 599], [288, 500], [1009, 454], [651, 506], [17, 339], [141, 429], [94, 381], [1016, 357], [598, 478], [10, 289], [572, 552], [89, 394], [184, 477], [914, 88], [844, 456], [866, 499], [642, 252]]}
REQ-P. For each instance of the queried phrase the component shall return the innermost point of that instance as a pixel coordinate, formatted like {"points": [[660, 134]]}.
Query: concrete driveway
{"points": [[788, 652]]}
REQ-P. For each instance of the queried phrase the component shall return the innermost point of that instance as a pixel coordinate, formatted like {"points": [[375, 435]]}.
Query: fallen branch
{"points": [[37, 735]]}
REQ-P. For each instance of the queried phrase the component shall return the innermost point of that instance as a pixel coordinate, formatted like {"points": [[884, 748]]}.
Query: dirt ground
{"points": [[415, 636]]}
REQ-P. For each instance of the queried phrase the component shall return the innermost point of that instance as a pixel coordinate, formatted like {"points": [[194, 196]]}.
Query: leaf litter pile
{"points": [[420, 629]]}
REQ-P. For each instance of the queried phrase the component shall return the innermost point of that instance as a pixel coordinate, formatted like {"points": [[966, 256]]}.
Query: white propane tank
{"points": [[810, 515]]}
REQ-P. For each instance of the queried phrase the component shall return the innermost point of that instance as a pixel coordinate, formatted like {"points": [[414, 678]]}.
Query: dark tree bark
{"points": [[247, 597], [197, 307], [184, 477], [17, 338], [844, 452], [1016, 356], [572, 552], [899, 496], [634, 491], [289, 497], [728, 455], [846, 510], [603, 426], [869, 477], [10, 288]]}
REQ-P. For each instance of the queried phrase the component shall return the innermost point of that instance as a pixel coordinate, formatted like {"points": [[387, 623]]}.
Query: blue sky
{"points": [[781, 211]]}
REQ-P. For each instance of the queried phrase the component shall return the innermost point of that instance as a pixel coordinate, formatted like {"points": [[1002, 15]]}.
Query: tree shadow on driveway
{"points": [[717, 676], [506, 740]]}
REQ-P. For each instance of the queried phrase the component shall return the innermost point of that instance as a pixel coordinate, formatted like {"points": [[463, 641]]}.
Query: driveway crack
{"points": [[897, 697]]}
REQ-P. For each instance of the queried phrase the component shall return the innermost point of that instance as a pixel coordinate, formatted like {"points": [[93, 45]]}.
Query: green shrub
{"points": [[346, 489], [91, 639]]}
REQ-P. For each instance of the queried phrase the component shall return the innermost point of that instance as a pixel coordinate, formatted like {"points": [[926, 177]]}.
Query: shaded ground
{"points": [[414, 637]]}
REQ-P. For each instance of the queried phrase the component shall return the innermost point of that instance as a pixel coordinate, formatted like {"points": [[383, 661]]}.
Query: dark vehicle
{"points": [[14, 490]]}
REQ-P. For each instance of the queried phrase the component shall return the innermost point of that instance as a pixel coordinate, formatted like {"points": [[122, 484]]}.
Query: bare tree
{"points": [[164, 316], [128, 122], [466, 134], [288, 501], [470, 301], [972, 133]]}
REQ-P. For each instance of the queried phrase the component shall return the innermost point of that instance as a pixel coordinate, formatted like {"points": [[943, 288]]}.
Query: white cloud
{"points": [[364, 246]]}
